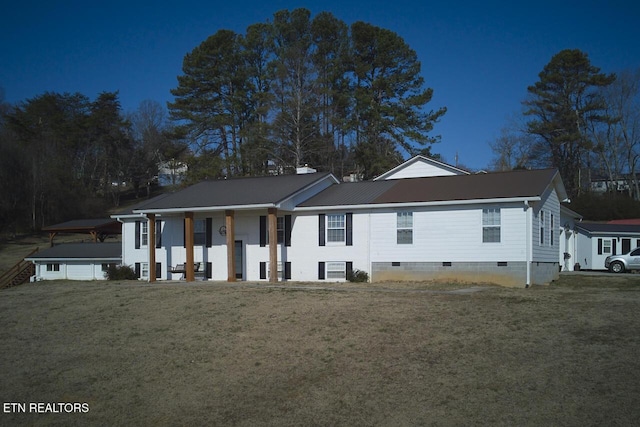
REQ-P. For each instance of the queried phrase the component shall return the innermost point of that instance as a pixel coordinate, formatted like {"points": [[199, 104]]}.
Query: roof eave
{"points": [[59, 259], [207, 209], [421, 204]]}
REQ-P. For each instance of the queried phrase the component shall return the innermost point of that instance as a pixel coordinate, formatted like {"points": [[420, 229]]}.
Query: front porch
{"points": [[230, 251]]}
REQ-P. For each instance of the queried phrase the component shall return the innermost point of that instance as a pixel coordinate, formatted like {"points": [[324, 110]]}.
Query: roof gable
{"points": [[421, 167]]}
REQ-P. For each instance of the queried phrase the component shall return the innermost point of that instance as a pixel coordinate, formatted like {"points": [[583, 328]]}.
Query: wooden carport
{"points": [[99, 229]]}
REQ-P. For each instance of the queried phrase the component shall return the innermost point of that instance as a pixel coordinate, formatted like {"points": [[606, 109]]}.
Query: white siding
{"points": [[308, 253], [449, 234], [72, 270], [420, 169], [546, 252]]}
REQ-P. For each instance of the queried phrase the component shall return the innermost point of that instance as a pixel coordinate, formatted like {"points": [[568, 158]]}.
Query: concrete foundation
{"points": [[510, 273]]}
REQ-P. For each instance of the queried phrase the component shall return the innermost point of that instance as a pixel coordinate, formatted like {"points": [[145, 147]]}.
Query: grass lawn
{"points": [[213, 354]]}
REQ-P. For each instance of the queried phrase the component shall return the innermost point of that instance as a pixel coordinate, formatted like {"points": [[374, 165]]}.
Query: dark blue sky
{"points": [[479, 57]]}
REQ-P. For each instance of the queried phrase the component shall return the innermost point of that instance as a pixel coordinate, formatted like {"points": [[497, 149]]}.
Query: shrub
{"points": [[358, 276], [121, 272]]}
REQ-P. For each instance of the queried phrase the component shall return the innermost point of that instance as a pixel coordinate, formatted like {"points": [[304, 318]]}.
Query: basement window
{"points": [[336, 270]]}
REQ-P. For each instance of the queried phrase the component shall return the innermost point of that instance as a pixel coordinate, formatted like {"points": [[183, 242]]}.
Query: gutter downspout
{"points": [[369, 248], [121, 241], [529, 245]]}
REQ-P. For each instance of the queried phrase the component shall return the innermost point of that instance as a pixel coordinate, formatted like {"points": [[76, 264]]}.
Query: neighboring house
{"points": [[620, 184], [422, 220], [76, 261], [596, 241]]}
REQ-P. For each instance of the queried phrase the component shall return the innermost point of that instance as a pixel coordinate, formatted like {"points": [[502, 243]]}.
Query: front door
{"points": [[239, 259]]}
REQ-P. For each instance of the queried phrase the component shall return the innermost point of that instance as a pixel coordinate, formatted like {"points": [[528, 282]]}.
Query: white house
{"points": [[76, 261], [596, 241], [421, 220]]}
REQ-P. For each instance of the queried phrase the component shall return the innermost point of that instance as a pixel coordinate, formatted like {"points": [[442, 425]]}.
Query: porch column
{"points": [[188, 243], [151, 243], [273, 245], [231, 247]]}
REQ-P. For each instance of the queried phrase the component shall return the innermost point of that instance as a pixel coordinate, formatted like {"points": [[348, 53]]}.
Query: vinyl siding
{"points": [[441, 234], [420, 169], [546, 252]]}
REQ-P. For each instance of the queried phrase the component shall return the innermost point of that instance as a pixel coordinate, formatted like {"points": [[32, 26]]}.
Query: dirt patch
{"points": [[209, 354]]}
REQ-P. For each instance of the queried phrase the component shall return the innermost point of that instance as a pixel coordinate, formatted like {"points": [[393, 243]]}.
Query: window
{"points": [[336, 270], [53, 267], [279, 270], [606, 246], [279, 229], [199, 232], [491, 225], [551, 229], [105, 267], [144, 233], [541, 227], [144, 272], [335, 228], [404, 229]]}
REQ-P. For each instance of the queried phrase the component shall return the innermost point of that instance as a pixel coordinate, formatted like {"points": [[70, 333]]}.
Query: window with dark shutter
{"points": [[321, 237], [137, 235], [263, 231], [209, 232], [287, 230], [138, 269], [208, 272], [158, 233], [321, 270], [263, 270], [287, 270], [349, 220], [599, 246]]}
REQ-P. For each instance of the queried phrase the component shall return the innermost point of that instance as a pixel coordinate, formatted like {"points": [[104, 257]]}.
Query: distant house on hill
{"points": [[171, 172]]}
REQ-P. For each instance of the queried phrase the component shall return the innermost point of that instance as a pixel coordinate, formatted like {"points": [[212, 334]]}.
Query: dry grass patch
{"points": [[198, 354]]}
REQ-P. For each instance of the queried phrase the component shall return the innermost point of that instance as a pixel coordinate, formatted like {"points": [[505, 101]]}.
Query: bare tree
{"points": [[617, 147]]}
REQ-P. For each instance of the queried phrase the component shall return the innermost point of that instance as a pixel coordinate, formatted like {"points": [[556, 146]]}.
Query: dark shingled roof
{"points": [[141, 205], [353, 193], [600, 227], [81, 251], [237, 192], [497, 185], [85, 225]]}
